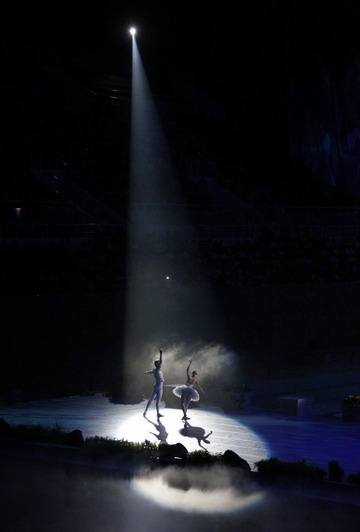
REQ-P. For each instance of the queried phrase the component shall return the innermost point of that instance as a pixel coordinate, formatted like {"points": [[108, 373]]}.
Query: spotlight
{"points": [[132, 31]]}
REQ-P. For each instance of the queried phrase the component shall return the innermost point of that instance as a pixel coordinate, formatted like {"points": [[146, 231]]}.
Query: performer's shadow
{"points": [[195, 432], [161, 430]]}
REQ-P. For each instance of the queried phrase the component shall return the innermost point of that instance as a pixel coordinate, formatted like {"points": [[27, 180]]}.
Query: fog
{"points": [[215, 363], [216, 490], [42, 497]]}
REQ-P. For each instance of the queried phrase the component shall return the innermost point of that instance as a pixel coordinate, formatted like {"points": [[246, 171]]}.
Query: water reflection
{"points": [[207, 490]]}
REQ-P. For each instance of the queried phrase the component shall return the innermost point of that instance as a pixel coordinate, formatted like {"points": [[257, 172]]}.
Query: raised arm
{"points": [[160, 358], [188, 372]]}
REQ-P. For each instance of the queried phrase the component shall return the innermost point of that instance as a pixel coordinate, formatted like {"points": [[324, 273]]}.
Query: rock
{"points": [[336, 473], [4, 427], [234, 460], [76, 437], [169, 452]]}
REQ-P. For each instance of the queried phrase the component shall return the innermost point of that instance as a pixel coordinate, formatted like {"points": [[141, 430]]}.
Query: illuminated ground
{"points": [[253, 435], [74, 496]]}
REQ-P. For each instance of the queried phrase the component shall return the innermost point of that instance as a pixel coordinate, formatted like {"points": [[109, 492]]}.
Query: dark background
{"points": [[274, 92], [245, 56]]}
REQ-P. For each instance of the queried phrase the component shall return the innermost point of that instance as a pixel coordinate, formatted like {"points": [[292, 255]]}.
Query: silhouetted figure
{"points": [[187, 392], [158, 385], [195, 432]]}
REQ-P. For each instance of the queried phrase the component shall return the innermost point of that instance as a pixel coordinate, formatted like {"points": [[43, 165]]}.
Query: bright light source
{"points": [[132, 31]]}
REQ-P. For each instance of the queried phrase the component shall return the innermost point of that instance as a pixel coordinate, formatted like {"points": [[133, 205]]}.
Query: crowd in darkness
{"points": [[90, 136], [171, 261], [245, 262]]}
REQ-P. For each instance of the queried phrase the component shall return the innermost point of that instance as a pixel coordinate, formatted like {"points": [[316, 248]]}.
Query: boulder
{"points": [[234, 460], [4, 427], [336, 473], [76, 437], [170, 452]]}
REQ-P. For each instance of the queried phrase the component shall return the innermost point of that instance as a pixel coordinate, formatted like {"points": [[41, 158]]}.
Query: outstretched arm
{"points": [[201, 390], [187, 371], [160, 356]]}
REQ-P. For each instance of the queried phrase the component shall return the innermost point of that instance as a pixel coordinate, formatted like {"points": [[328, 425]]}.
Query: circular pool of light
{"points": [[211, 430]]}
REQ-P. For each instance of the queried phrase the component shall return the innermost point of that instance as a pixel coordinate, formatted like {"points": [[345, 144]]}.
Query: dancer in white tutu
{"points": [[158, 386], [187, 392]]}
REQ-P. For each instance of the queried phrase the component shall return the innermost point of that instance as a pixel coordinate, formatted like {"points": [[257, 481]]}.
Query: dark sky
{"points": [[237, 52], [228, 48], [221, 44], [202, 36]]}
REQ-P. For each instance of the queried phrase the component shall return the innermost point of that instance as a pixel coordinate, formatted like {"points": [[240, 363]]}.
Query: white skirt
{"points": [[186, 392]]}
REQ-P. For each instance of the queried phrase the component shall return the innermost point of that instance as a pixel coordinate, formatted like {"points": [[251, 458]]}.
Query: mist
{"points": [[42, 497], [215, 364], [216, 490]]}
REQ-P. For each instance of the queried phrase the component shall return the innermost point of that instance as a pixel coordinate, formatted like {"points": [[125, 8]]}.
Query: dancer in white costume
{"points": [[187, 392], [158, 385]]}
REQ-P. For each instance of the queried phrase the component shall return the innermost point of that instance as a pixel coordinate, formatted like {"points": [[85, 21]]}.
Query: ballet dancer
{"points": [[158, 386], [187, 392]]}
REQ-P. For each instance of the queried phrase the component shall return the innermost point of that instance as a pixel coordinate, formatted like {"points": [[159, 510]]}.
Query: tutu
{"points": [[186, 391]]}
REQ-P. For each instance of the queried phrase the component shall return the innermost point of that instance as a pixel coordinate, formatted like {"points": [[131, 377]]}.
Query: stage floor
{"points": [[254, 435]]}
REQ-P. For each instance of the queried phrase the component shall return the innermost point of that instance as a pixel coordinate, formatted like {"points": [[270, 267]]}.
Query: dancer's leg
{"points": [[158, 398], [152, 396], [183, 402], [187, 402]]}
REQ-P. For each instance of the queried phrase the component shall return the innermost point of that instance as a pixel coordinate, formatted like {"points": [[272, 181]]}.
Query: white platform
{"points": [[253, 435]]}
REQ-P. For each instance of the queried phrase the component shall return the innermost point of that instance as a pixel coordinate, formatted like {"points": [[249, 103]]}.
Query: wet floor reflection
{"points": [[205, 490]]}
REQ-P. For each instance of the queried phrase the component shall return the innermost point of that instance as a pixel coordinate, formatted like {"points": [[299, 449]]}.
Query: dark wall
{"points": [[72, 343]]}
